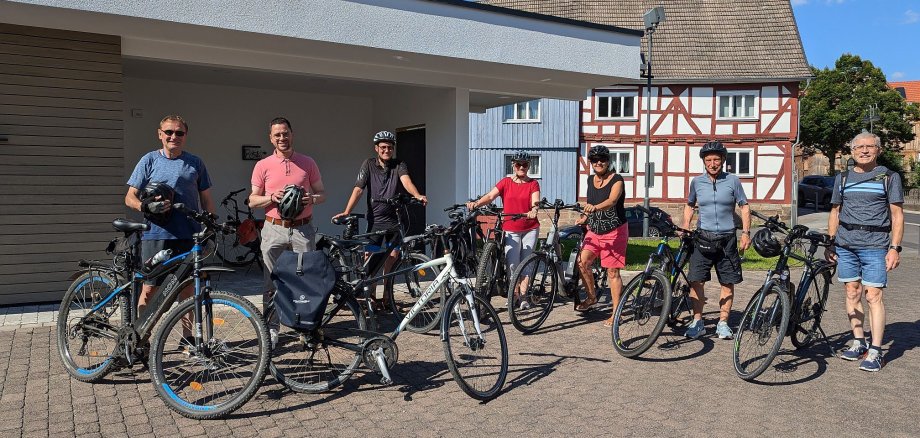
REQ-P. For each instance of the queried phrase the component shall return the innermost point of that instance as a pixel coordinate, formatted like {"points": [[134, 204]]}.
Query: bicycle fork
{"points": [[468, 341]]}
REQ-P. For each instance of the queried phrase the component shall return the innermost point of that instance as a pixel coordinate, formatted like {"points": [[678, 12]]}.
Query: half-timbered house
{"points": [[726, 71]]}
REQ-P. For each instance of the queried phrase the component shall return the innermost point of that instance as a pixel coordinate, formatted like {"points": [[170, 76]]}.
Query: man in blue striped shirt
{"points": [[867, 222]]}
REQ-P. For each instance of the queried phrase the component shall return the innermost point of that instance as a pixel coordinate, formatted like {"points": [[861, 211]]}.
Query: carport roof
{"points": [[714, 40]]}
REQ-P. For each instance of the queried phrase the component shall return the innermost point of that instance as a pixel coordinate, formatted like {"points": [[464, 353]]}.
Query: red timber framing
{"points": [[759, 136]]}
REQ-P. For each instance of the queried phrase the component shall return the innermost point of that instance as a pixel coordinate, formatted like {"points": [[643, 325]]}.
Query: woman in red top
{"points": [[520, 194]]}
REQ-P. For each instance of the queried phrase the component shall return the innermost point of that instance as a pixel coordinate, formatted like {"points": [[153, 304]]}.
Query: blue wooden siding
{"points": [[554, 139]]}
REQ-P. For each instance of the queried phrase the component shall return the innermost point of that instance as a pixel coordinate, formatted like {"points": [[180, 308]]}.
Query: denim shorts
{"points": [[867, 265]]}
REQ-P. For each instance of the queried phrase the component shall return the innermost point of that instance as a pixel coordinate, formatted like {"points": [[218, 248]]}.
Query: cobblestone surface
{"points": [[564, 380]]}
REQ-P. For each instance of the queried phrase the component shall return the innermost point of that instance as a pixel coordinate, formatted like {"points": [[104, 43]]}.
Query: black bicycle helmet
{"points": [[599, 151], [713, 147], [520, 157], [291, 203], [765, 244], [156, 192], [384, 136]]}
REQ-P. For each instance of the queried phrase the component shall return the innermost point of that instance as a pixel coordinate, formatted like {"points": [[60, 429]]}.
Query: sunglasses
{"points": [[522, 165], [597, 160], [170, 132]]}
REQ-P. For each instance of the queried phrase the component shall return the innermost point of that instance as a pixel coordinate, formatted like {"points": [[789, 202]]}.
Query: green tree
{"points": [[836, 103]]}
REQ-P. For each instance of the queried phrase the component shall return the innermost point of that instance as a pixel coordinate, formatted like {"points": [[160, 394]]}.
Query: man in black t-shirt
{"points": [[382, 176]]}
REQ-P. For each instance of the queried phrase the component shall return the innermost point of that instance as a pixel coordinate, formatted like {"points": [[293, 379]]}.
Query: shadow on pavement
{"points": [[528, 373], [907, 338]]}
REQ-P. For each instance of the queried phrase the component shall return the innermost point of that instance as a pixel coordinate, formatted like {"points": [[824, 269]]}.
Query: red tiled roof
{"points": [[700, 39], [911, 89]]}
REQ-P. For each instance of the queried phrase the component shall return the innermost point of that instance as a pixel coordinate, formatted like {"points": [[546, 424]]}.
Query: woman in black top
{"points": [[607, 234]]}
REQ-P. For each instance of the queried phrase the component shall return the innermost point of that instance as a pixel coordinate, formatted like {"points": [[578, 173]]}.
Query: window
{"points": [[618, 105], [738, 105], [522, 112], [533, 172], [621, 161], [740, 162]]}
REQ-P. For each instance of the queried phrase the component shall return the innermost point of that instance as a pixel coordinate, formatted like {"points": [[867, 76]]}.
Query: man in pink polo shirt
{"points": [[269, 178]]}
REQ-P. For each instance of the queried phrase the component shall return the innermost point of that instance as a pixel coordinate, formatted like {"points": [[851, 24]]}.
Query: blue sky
{"points": [[886, 32]]}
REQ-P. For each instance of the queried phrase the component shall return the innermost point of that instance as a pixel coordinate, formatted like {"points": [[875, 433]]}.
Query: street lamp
{"points": [[872, 117], [652, 18]]}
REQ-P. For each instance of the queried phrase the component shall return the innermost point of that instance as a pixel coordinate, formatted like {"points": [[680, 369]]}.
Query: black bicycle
{"points": [[774, 312], [491, 270], [472, 335], [465, 237], [356, 258], [658, 295], [209, 353], [241, 248], [545, 276]]}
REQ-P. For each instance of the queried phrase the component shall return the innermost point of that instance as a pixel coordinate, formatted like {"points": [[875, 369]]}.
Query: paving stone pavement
{"points": [[564, 380]]}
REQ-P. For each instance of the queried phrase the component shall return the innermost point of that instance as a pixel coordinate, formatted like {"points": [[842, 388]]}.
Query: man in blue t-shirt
{"points": [[867, 223], [187, 176], [715, 193]]}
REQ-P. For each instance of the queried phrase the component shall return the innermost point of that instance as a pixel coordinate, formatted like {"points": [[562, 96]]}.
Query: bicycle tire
{"points": [[641, 313], [337, 344], [762, 335], [233, 253], [810, 310], [233, 361], [95, 362], [529, 310], [487, 281], [478, 369], [402, 291]]}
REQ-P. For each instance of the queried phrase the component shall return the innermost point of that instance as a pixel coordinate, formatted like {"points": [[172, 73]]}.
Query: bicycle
{"points": [[544, 271], [357, 259], [473, 338], [242, 248], [464, 235], [204, 366], [491, 269], [658, 295], [774, 313]]}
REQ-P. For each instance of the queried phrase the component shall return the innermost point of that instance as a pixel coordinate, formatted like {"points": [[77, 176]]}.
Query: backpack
{"points": [[303, 283]]}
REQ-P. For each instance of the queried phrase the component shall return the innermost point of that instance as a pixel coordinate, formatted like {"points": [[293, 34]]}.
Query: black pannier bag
{"points": [[303, 283]]}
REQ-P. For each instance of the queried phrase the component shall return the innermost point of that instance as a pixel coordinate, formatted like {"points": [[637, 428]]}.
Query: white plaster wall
{"points": [[334, 130]]}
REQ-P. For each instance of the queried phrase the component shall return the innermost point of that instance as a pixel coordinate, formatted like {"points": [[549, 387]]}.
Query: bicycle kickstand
{"points": [[827, 342]]}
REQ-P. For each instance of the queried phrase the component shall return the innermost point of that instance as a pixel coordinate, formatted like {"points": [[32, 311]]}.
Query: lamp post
{"points": [[652, 18], [871, 117]]}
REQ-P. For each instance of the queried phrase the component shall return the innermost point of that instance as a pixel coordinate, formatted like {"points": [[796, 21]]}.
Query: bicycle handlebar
{"points": [[399, 200], [205, 218], [657, 215], [232, 194], [797, 232]]}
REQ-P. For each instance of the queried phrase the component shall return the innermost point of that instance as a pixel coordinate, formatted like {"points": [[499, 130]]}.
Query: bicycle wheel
{"points": [[488, 283], [478, 359], [760, 333], [218, 376], [232, 252], [529, 309], [641, 314], [325, 358], [86, 341], [811, 309], [402, 291]]}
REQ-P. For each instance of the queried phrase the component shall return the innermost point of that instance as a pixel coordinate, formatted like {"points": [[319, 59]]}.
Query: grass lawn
{"points": [[638, 250]]}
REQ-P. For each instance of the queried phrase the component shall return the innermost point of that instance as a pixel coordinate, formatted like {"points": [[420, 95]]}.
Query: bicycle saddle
{"points": [[127, 226]]}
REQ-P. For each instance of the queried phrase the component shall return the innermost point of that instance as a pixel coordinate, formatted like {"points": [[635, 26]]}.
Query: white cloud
{"points": [[911, 16], [896, 75]]}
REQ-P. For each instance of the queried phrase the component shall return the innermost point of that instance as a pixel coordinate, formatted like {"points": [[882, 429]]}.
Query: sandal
{"points": [[586, 305]]}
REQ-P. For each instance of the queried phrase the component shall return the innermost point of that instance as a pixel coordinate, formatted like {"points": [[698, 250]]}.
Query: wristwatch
{"points": [[748, 232], [895, 247]]}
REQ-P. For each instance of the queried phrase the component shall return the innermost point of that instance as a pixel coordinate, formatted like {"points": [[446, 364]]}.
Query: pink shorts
{"points": [[611, 247]]}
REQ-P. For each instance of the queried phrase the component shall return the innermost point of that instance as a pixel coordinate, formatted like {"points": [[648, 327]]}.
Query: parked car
{"points": [[816, 187], [634, 219]]}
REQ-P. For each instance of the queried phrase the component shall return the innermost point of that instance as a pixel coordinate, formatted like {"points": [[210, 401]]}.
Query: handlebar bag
{"points": [[303, 283]]}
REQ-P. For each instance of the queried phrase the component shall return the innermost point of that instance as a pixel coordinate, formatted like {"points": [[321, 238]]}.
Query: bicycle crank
{"points": [[380, 354]]}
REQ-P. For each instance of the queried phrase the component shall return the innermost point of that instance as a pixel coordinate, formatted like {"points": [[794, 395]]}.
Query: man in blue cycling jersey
{"points": [[715, 193]]}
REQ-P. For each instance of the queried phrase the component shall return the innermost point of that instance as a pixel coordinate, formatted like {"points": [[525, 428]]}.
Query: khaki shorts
{"points": [[277, 239]]}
